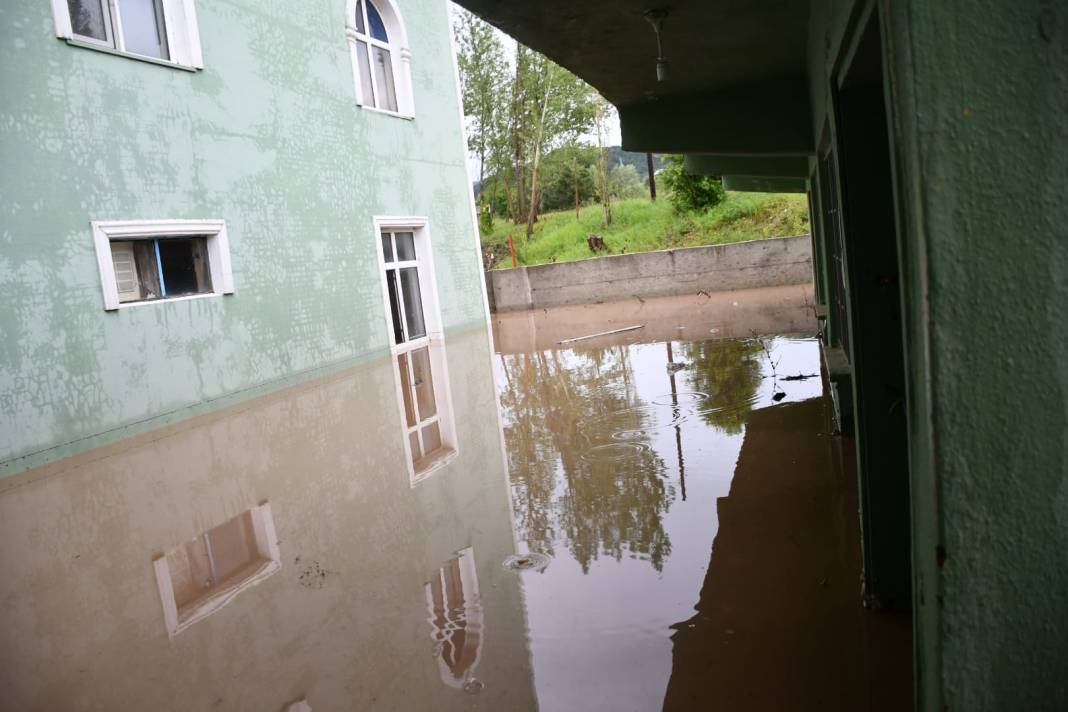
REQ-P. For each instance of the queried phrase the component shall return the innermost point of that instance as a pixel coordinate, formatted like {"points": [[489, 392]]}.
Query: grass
{"points": [[640, 225]]}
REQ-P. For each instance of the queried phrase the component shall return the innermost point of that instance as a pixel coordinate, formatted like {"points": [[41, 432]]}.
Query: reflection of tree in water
{"points": [[729, 372], [557, 406]]}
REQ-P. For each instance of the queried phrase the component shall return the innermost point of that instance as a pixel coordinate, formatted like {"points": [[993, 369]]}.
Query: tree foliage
{"points": [[690, 193], [520, 106]]}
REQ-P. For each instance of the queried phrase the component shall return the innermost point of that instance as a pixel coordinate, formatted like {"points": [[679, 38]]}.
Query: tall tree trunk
{"points": [[652, 176], [575, 176], [482, 161], [532, 215], [508, 196], [602, 169], [517, 137]]}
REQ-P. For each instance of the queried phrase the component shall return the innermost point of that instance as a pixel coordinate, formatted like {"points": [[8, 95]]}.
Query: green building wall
{"points": [[976, 96], [267, 137]]}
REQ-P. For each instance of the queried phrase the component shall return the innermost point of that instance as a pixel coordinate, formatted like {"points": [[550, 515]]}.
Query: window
{"points": [[455, 608], [164, 30], [380, 57], [418, 347], [158, 259], [202, 575]]}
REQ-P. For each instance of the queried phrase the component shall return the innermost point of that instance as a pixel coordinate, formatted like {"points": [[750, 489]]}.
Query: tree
{"points": [[566, 177], [562, 109], [690, 193], [624, 183], [603, 109], [481, 61]]}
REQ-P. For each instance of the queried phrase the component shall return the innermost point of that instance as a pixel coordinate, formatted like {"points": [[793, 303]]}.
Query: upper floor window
{"points": [[164, 30], [417, 344], [380, 57]]}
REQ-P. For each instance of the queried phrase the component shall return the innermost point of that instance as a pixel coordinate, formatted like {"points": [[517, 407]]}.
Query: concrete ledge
{"points": [[743, 265]]}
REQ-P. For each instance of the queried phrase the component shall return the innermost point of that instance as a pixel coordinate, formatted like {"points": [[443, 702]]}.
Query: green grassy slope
{"points": [[641, 226]]}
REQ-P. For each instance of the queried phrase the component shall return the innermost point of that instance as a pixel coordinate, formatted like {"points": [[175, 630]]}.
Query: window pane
{"points": [[190, 571], [233, 546], [387, 247], [405, 246], [365, 74], [359, 17], [413, 440], [147, 268], [394, 306], [413, 303], [178, 264], [406, 389], [424, 384], [142, 27], [87, 18], [378, 28], [384, 77], [431, 438]]}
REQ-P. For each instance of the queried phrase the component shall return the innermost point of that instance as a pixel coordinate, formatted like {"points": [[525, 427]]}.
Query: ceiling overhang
{"points": [[737, 69]]}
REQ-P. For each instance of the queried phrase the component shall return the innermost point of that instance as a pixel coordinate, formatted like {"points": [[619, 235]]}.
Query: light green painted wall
{"points": [[267, 137]]}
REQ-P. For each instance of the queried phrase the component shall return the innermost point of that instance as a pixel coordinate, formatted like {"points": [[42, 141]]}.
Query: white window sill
{"points": [[387, 112], [433, 463], [186, 298], [241, 581], [75, 42]]}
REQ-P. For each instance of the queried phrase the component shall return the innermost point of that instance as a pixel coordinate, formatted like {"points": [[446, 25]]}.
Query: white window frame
{"points": [[218, 247], [180, 27], [473, 616], [267, 546], [434, 339], [400, 56]]}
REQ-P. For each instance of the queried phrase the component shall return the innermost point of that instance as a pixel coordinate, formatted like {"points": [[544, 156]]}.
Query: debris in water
{"points": [[799, 377], [533, 561], [602, 333], [474, 686], [778, 396], [673, 367]]}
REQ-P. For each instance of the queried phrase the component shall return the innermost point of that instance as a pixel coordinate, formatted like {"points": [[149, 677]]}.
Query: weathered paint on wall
{"points": [[267, 137]]}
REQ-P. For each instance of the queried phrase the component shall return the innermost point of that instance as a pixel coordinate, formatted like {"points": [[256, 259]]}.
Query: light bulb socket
{"points": [[663, 70]]}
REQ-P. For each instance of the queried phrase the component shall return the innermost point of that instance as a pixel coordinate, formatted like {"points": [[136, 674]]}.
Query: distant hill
{"points": [[616, 156]]}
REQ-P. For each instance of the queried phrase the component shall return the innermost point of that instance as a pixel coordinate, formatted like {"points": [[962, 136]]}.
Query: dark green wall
{"points": [[977, 94], [980, 96]]}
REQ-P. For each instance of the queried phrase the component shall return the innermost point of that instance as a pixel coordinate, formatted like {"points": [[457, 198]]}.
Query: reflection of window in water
{"points": [[456, 617]]}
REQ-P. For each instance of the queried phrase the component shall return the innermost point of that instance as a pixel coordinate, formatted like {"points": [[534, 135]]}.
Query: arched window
{"points": [[380, 56]]}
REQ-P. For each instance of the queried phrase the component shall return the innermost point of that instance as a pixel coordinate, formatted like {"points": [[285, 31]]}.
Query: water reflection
{"points": [[618, 453], [456, 620], [571, 478]]}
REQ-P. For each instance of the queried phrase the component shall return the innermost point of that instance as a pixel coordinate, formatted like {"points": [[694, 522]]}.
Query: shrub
{"points": [[690, 193]]}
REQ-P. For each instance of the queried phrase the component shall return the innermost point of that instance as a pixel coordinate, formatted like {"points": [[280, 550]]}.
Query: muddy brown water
{"points": [[701, 520], [658, 528]]}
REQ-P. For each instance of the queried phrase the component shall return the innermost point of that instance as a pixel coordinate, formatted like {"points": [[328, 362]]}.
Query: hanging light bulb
{"points": [[656, 19]]}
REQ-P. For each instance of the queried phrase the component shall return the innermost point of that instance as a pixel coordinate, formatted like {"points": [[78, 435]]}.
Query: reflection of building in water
{"points": [[456, 616]]}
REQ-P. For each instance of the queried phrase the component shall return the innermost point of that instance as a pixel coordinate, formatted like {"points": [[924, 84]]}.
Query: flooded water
{"points": [[700, 519], [668, 526]]}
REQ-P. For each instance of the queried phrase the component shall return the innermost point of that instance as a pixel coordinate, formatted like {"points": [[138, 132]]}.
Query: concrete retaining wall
{"points": [[742, 265]]}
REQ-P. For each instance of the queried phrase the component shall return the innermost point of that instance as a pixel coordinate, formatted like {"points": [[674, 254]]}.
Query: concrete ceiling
{"points": [[710, 44]]}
